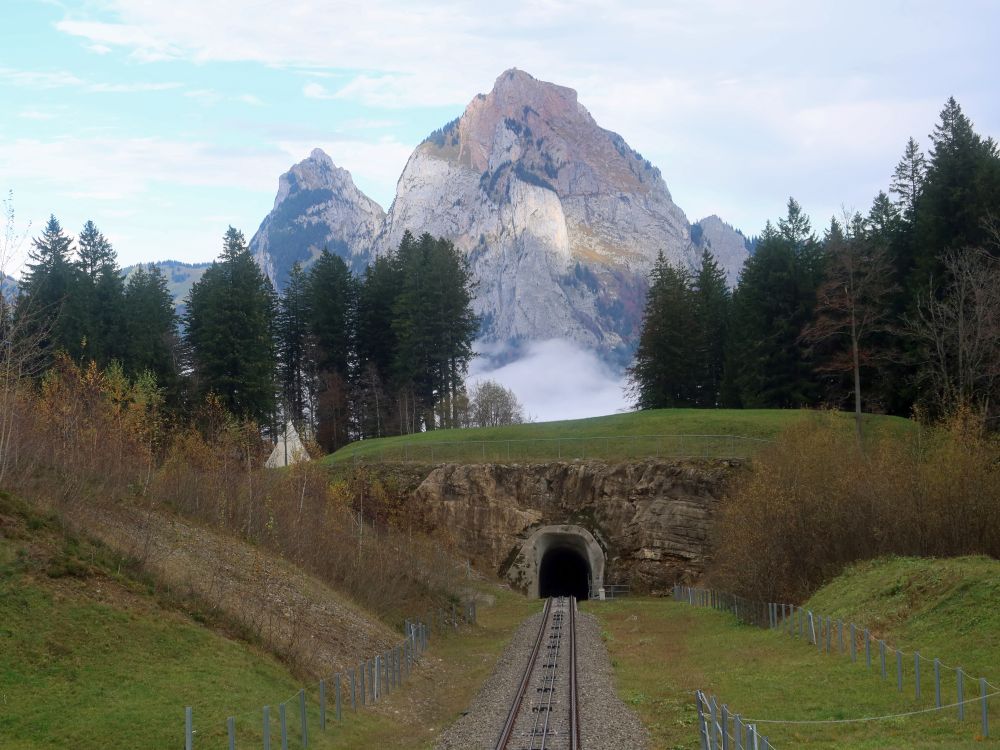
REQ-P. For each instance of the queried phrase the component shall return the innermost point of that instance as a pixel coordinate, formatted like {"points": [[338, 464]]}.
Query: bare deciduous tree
{"points": [[852, 304], [959, 331], [20, 336], [492, 405]]}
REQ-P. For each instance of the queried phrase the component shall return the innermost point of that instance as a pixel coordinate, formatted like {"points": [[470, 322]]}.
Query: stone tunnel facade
{"points": [[543, 526]]}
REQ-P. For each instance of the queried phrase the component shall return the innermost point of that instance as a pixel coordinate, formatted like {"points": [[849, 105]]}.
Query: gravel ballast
{"points": [[605, 722]]}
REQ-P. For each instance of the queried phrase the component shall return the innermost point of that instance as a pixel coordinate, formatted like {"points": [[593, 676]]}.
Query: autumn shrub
{"points": [[816, 501], [83, 439]]}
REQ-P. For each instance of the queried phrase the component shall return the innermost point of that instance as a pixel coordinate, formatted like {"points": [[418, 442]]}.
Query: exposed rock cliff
{"points": [[317, 205], [728, 245], [651, 517], [560, 218]]}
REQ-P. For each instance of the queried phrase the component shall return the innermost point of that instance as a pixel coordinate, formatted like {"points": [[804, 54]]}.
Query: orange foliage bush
{"points": [[814, 502]]}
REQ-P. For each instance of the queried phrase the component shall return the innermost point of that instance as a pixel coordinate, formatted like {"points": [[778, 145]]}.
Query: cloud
{"points": [[35, 114], [740, 104], [52, 79], [555, 380], [98, 49]]}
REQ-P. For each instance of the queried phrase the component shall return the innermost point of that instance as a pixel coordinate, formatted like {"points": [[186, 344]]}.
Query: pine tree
{"points": [[47, 285], [961, 189], [332, 298], [94, 252], [230, 331], [908, 178], [712, 299], [293, 324], [662, 375], [153, 344], [768, 365]]}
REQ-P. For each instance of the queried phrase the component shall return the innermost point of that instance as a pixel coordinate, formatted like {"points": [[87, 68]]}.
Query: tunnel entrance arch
{"points": [[562, 560]]}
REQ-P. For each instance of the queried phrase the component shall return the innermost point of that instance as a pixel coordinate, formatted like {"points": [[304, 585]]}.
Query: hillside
{"points": [[615, 436], [101, 651], [663, 651]]}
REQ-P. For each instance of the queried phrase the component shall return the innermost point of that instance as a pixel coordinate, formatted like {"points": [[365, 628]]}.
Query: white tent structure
{"points": [[288, 450]]}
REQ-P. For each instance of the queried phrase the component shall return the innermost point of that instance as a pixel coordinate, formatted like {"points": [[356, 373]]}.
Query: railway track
{"points": [[543, 714]]}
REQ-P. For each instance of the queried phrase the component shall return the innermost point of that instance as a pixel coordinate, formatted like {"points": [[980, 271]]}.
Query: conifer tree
{"points": [[711, 299], [47, 284], [295, 369], [908, 178], [153, 344], [662, 373], [230, 331]]}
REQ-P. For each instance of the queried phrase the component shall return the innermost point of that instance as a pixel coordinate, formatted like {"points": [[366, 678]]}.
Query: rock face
{"points": [[728, 245], [317, 205], [651, 518], [560, 219]]}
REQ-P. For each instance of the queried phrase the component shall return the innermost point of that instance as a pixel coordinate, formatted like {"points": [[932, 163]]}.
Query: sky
{"points": [[165, 122]]}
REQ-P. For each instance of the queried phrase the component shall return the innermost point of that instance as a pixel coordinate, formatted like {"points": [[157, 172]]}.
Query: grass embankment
{"points": [[95, 654], [612, 437], [663, 651]]}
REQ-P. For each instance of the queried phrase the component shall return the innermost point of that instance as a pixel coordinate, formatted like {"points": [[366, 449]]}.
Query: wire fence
{"points": [[616, 447], [848, 640], [325, 702]]}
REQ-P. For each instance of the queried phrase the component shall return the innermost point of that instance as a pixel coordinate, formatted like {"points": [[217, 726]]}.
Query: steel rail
{"points": [[515, 707], [555, 620], [574, 715]]}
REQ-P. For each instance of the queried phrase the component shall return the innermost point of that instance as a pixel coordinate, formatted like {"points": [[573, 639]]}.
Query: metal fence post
{"points": [[363, 687], [854, 644], [840, 635], [868, 649], [881, 656], [937, 683], [899, 670], [916, 671], [702, 727], [713, 711], [284, 726], [354, 688], [960, 685], [725, 727], [303, 718], [188, 729], [982, 698], [322, 704], [231, 731], [267, 728]]}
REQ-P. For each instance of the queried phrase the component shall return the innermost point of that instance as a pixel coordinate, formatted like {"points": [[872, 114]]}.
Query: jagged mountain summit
{"points": [[560, 218], [729, 246], [317, 206]]}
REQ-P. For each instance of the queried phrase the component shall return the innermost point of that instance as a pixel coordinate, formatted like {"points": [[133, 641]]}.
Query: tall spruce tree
{"points": [[711, 299], [769, 365], [434, 327], [230, 332], [960, 190], [48, 283], [153, 344], [294, 366], [331, 291], [663, 373]]}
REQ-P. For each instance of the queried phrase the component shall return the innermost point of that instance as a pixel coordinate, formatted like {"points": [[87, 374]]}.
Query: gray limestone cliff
{"points": [[560, 219], [317, 206]]}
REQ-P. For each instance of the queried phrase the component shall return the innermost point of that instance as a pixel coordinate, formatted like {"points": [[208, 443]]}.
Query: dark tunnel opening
{"points": [[564, 572]]}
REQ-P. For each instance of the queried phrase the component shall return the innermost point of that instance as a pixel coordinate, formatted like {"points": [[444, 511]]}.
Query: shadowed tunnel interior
{"points": [[563, 572]]}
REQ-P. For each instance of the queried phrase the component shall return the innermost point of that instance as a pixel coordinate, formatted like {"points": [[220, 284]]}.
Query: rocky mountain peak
{"points": [[317, 206]]}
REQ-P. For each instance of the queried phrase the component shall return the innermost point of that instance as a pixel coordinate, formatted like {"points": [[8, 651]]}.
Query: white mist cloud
{"points": [[555, 380]]}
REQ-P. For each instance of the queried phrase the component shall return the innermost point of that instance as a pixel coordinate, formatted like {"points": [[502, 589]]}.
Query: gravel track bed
{"points": [[605, 722]]}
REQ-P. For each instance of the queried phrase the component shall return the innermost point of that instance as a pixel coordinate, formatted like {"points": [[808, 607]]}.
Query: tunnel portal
{"points": [[563, 572], [563, 560]]}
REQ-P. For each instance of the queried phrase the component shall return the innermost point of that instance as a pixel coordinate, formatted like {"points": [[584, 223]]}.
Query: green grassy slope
{"points": [[95, 654], [662, 651], [610, 437]]}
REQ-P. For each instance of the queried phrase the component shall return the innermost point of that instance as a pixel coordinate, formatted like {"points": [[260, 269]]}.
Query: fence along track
{"points": [[548, 719]]}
